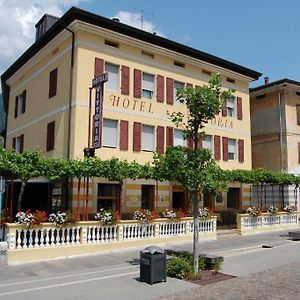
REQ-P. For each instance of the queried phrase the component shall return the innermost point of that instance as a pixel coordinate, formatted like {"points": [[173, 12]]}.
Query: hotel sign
{"points": [[98, 83]]}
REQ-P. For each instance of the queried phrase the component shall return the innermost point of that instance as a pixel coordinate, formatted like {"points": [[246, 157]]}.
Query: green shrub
{"points": [[179, 267], [202, 263]]}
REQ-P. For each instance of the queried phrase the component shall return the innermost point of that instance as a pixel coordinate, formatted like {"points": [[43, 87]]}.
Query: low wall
{"points": [[247, 224], [48, 241]]}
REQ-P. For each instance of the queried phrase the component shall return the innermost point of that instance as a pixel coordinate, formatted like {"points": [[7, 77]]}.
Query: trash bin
{"points": [[153, 265]]}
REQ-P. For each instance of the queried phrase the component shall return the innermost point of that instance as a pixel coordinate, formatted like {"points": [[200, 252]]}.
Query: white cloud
{"points": [[136, 20], [17, 20]]}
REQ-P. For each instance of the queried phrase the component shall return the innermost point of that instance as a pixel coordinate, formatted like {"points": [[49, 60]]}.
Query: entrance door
{"points": [[147, 197], [209, 201], [233, 198], [179, 200]]}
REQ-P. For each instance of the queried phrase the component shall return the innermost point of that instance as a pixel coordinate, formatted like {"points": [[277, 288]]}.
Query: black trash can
{"points": [[153, 263]]}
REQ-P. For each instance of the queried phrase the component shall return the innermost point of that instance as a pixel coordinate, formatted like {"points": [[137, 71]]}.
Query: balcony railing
{"points": [[247, 224]]}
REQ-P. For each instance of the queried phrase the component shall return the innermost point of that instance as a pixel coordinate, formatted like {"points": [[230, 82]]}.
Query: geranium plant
{"points": [[144, 215], [272, 210], [173, 214], [107, 216], [204, 213], [289, 208], [253, 211], [62, 218]]}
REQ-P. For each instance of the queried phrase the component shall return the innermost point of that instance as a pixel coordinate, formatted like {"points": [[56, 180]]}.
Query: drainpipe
{"points": [[70, 96], [280, 128]]}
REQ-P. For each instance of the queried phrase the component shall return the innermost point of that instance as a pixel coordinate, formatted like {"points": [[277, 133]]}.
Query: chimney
{"points": [[267, 80], [116, 19], [44, 25]]}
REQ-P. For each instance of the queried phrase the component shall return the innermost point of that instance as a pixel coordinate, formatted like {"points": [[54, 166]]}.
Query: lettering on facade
{"points": [[221, 122], [134, 104]]}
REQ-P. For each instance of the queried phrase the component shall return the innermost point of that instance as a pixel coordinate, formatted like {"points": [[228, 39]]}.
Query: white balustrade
{"points": [[265, 222], [47, 235]]}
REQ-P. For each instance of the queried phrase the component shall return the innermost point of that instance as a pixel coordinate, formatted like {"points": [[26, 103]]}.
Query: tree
{"points": [[202, 103]]}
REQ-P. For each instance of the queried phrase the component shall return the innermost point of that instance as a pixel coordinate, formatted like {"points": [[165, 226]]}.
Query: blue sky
{"points": [[262, 35]]}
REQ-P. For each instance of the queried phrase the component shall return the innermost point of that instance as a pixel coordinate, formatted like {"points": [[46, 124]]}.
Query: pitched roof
{"points": [[274, 83], [82, 15]]}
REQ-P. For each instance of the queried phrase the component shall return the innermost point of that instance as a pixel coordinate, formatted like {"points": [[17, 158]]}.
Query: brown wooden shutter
{"points": [[21, 137], [50, 136], [160, 88], [170, 91], [217, 147], [137, 136], [24, 102], [200, 141], [190, 142], [170, 136], [160, 139], [124, 135], [224, 109], [99, 67], [189, 85], [225, 148], [239, 108], [14, 144], [241, 150], [53, 83], [137, 89], [16, 106], [125, 80], [298, 153], [298, 113]]}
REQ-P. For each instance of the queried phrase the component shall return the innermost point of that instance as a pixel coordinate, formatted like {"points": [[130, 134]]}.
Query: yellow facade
{"points": [[70, 106]]}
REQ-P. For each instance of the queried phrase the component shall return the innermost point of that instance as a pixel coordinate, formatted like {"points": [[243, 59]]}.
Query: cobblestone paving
{"points": [[275, 284]]}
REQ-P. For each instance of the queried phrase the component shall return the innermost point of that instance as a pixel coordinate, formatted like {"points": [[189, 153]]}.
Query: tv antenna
{"points": [[143, 13]]}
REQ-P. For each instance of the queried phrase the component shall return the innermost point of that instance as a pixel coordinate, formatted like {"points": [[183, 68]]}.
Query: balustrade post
{"points": [[120, 232], [156, 230], [83, 235], [11, 237]]}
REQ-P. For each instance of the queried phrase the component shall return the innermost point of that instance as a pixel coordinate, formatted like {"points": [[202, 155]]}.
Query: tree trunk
{"points": [[196, 213], [21, 195]]}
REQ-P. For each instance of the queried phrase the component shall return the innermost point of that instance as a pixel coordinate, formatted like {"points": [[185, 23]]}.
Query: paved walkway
{"points": [[277, 283]]}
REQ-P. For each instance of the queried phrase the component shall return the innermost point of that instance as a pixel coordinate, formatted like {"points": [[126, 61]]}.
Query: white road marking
{"points": [[65, 284], [65, 276]]}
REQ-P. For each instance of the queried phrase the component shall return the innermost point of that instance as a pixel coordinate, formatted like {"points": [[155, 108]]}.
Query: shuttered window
{"points": [[50, 136], [177, 85], [110, 133], [148, 138], [137, 88], [207, 142], [178, 138], [225, 148], [98, 69], [125, 80], [148, 86], [160, 87], [160, 139], [232, 149], [298, 113], [113, 83], [298, 153], [230, 104], [53, 83], [18, 144], [20, 104], [124, 135]]}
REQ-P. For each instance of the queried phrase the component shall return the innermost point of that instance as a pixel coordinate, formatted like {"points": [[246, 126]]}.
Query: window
{"points": [[108, 195], [179, 64], [18, 144], [110, 133], [231, 149], [20, 104], [298, 113], [113, 83], [53, 83], [147, 197], [148, 54], [177, 85], [50, 136], [230, 107], [298, 153], [230, 80], [111, 44], [148, 138], [148, 86], [207, 142], [233, 198], [178, 138]]}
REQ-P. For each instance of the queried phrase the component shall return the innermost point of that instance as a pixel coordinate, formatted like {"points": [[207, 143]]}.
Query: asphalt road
{"points": [[115, 274]]}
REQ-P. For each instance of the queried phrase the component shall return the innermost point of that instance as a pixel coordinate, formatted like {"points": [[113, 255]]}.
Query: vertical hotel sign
{"points": [[98, 84]]}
